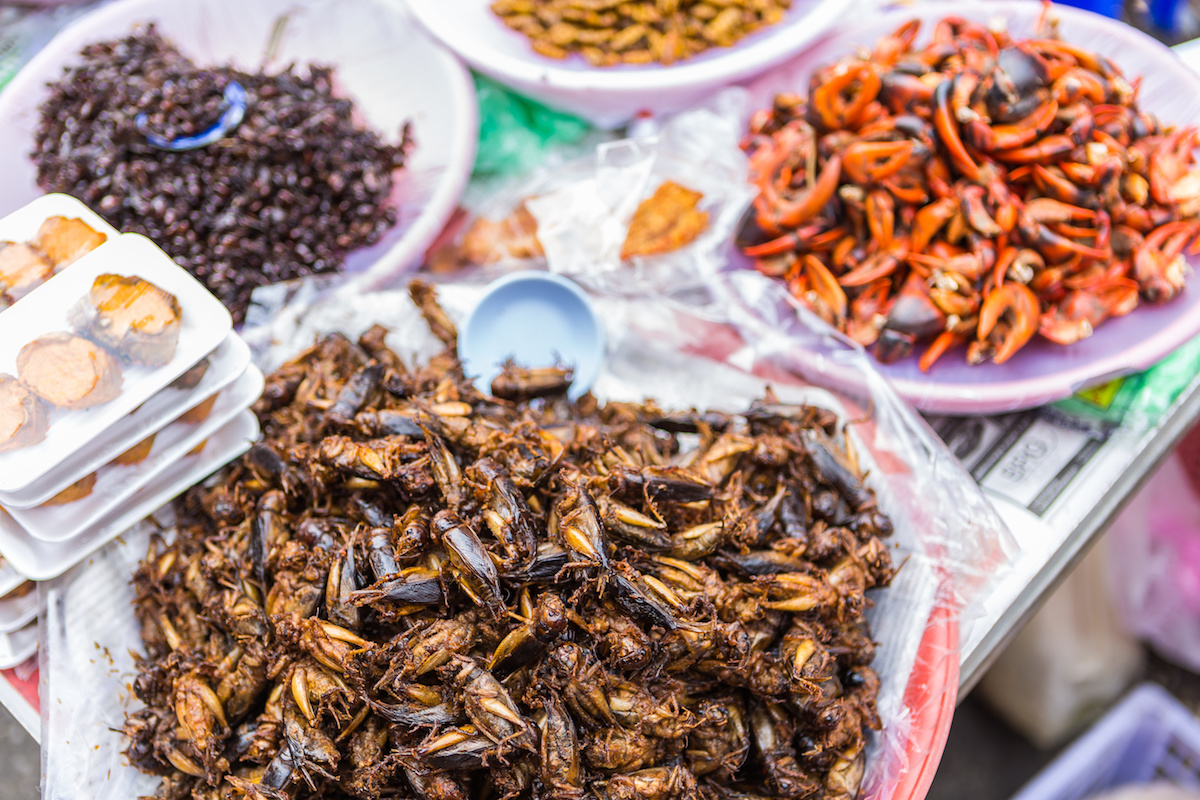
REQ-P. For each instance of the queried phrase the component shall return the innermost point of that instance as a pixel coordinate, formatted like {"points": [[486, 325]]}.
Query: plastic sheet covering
{"points": [[583, 208], [950, 542]]}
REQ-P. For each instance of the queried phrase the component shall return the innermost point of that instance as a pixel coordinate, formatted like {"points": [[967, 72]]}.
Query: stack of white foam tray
{"points": [[95, 471], [18, 617]]}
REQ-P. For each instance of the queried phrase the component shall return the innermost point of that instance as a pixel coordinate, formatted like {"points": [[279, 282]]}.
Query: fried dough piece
{"points": [[76, 491], [23, 420], [198, 413], [665, 221], [21, 591], [488, 241], [136, 454], [23, 268], [66, 240], [69, 371], [191, 379], [131, 316]]}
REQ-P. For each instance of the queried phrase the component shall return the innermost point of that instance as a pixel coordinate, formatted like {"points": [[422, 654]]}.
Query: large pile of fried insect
{"points": [[293, 189], [979, 190], [410, 589]]}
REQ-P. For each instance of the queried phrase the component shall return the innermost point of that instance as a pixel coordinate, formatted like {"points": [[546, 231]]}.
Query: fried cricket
{"points": [[411, 589]]}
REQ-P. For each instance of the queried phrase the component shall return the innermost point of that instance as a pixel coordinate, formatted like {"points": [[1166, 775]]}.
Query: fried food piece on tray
{"points": [[665, 221], [198, 413], [191, 379], [23, 268], [136, 454], [132, 316], [66, 240], [23, 420], [488, 241], [76, 491], [68, 371]]}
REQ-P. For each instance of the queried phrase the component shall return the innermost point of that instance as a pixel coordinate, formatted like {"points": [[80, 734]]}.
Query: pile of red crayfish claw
{"points": [[979, 190]]}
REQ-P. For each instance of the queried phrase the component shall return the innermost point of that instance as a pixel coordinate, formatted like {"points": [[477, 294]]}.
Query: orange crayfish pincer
{"points": [[1012, 313], [868, 162]]}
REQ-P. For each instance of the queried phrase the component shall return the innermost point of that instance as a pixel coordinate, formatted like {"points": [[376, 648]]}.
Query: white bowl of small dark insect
{"points": [[255, 142]]}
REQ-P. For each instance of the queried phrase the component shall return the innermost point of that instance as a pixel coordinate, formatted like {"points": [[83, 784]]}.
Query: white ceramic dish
{"points": [[385, 63], [115, 484], [17, 612], [204, 323], [612, 96], [41, 561], [226, 364], [18, 645]]}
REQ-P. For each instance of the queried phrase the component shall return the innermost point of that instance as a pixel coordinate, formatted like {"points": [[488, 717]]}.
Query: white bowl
{"points": [[610, 96], [384, 62]]}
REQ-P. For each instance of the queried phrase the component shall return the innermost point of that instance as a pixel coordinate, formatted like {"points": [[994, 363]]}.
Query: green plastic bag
{"points": [[515, 133], [1141, 398]]}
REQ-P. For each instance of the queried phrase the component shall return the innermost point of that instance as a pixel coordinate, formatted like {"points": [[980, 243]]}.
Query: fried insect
{"points": [[409, 588]]}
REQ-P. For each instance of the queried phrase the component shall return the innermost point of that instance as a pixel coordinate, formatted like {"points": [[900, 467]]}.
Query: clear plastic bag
{"points": [[712, 353], [580, 211]]}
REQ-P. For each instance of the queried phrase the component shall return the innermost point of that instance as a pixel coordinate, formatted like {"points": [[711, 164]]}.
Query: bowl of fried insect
{"points": [[296, 142], [998, 199], [609, 64]]}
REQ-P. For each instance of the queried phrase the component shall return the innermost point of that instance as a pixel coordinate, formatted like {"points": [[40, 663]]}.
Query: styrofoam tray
{"points": [[204, 324], [44, 560], [226, 364], [16, 612], [22, 225], [9, 577], [117, 483], [17, 646]]}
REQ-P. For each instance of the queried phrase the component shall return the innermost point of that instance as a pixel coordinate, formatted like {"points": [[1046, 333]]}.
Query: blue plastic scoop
{"points": [[537, 319]]}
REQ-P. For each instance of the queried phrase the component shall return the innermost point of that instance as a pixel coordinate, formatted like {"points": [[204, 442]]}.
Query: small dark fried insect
{"points": [[409, 589], [528, 383]]}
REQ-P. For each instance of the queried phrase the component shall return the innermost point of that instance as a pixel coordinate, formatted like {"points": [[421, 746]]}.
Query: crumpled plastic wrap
{"points": [[709, 354], [583, 208]]}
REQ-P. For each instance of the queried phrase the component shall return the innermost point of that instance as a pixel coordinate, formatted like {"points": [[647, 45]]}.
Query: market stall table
{"points": [[1057, 476]]}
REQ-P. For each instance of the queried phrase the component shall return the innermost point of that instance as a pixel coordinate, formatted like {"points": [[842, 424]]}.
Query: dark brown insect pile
{"points": [[409, 589], [290, 192]]}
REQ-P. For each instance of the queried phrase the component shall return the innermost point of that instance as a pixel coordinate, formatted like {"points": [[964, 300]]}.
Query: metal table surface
{"points": [[1126, 462]]}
